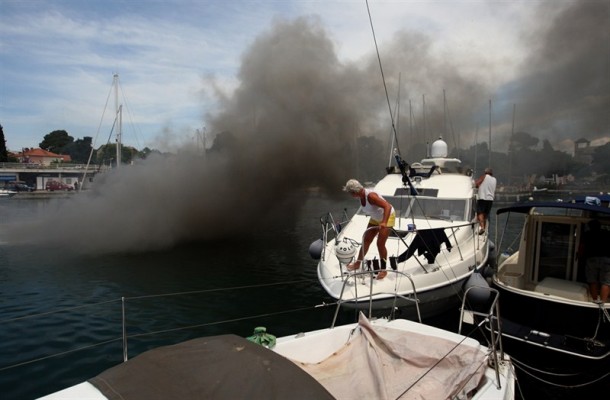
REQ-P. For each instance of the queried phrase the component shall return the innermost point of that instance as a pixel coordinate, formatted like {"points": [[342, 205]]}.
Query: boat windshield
{"points": [[452, 166], [428, 207]]}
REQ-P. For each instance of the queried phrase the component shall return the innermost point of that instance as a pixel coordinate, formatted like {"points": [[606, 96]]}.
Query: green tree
{"points": [[56, 141], [146, 151], [476, 157], [554, 161], [106, 154], [79, 150], [521, 141], [601, 159], [3, 151]]}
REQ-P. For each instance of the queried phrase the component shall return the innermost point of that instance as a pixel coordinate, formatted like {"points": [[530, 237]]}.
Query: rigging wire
{"points": [[111, 340], [99, 127], [385, 86], [129, 112], [387, 96], [392, 136], [394, 130], [118, 83], [457, 344]]}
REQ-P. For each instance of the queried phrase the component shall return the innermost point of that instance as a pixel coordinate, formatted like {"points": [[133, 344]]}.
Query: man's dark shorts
{"points": [[484, 206]]}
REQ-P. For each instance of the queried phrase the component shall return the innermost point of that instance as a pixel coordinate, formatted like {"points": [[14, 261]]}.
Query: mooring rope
{"points": [[524, 368]]}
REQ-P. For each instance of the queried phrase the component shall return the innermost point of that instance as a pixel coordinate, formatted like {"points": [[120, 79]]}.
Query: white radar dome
{"points": [[439, 149]]}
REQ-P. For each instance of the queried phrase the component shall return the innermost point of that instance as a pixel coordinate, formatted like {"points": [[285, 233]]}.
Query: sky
{"points": [[180, 62], [283, 89]]}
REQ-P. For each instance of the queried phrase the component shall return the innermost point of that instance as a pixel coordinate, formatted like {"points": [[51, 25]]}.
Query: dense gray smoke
{"points": [[565, 89], [295, 115], [287, 127]]}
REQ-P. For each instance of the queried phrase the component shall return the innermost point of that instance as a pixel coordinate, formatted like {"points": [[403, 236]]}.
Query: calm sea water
{"points": [[69, 306], [230, 286]]}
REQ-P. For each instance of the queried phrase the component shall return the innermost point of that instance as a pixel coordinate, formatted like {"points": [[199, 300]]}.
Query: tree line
{"points": [[526, 158], [523, 159], [79, 150]]}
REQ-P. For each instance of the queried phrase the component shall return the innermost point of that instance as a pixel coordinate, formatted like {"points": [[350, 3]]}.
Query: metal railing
{"points": [[371, 274], [124, 335], [33, 166], [330, 226], [489, 317]]}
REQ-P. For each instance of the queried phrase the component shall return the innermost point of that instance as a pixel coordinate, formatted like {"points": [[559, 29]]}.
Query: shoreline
{"points": [[41, 194]]}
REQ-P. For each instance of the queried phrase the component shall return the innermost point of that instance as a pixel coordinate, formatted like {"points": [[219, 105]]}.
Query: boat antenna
{"points": [[383, 77], [403, 166]]}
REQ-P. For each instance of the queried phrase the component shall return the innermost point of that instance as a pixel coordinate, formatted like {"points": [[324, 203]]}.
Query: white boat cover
{"points": [[386, 363]]}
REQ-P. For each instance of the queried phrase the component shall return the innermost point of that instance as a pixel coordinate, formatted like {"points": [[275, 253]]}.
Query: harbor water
{"points": [[62, 313]]}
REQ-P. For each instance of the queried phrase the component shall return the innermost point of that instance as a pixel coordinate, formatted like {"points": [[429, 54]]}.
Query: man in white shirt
{"points": [[487, 189]]}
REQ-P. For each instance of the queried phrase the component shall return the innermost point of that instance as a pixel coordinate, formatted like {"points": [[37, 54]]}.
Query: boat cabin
{"points": [[548, 258], [435, 188]]}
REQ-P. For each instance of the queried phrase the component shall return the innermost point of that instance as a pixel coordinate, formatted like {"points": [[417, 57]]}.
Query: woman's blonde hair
{"points": [[353, 186]]}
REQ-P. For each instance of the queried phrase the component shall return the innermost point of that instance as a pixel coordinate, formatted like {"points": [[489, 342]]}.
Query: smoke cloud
{"points": [[286, 128], [564, 92], [296, 113]]}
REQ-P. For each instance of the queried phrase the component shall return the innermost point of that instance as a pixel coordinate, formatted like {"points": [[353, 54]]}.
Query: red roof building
{"points": [[42, 157]]}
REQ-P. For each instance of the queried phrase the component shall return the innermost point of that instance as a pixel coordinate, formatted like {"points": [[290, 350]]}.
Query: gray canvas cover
{"points": [[216, 367]]}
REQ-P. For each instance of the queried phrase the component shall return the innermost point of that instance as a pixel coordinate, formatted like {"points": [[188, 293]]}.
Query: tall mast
{"points": [[423, 99], [489, 164], [510, 147], [444, 114], [119, 119]]}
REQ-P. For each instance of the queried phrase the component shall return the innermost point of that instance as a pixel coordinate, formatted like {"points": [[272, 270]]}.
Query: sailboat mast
{"points": [[423, 99], [510, 147], [119, 119], [444, 114], [489, 164]]}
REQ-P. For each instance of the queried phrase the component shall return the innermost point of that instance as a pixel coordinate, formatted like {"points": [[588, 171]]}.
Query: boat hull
{"points": [[434, 247], [550, 317], [431, 303], [368, 359], [555, 366], [544, 375], [549, 322]]}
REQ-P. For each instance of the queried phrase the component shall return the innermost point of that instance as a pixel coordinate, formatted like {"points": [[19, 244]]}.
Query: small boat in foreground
{"points": [[370, 359], [434, 248], [551, 324]]}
